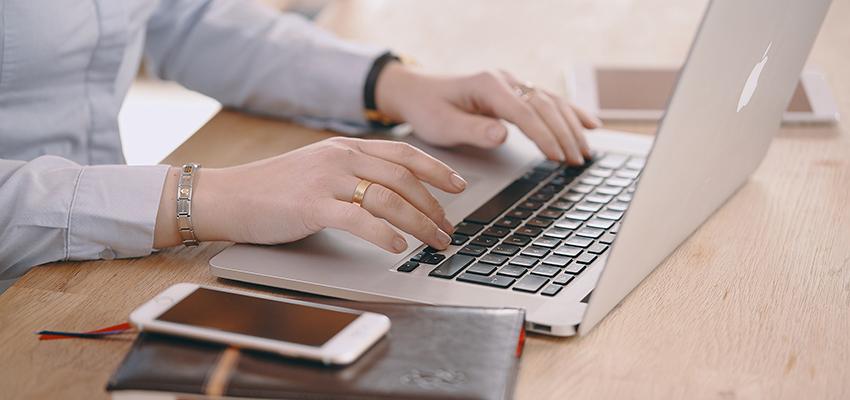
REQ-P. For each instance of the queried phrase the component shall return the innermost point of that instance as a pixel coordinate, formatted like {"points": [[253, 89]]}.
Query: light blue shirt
{"points": [[65, 67]]}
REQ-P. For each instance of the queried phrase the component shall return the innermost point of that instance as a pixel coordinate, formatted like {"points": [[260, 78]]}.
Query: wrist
{"points": [[208, 209], [394, 84]]}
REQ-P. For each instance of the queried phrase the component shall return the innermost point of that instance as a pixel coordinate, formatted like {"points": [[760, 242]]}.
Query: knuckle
{"points": [[401, 174], [388, 199], [406, 151]]}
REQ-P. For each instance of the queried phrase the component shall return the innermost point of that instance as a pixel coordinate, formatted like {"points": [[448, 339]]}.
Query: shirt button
{"points": [[107, 254]]}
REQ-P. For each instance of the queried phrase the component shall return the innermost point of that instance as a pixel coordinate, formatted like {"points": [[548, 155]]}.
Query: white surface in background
{"points": [[157, 117]]}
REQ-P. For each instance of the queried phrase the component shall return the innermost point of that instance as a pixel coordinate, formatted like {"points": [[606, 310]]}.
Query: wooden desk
{"points": [[754, 305]]}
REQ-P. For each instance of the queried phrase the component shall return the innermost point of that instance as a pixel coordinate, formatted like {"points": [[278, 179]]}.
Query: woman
{"points": [[65, 66]]}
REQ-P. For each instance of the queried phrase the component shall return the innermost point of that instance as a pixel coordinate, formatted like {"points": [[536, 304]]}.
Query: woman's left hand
{"points": [[453, 110]]}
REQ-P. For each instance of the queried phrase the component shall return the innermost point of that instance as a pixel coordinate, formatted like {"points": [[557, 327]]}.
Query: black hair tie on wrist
{"points": [[376, 118]]}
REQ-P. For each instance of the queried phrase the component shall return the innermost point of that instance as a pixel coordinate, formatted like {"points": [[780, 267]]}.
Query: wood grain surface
{"points": [[756, 304]]}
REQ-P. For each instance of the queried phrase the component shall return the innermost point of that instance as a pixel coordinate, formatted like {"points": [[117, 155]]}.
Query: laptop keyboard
{"points": [[541, 231]]}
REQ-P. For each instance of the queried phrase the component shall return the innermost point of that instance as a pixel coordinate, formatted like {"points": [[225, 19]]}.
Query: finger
{"points": [[564, 133], [589, 121], [402, 181], [389, 205], [359, 222], [571, 114], [473, 129], [505, 104], [423, 166]]}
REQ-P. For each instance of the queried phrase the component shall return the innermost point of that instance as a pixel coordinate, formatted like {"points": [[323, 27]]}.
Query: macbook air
{"points": [[567, 244]]}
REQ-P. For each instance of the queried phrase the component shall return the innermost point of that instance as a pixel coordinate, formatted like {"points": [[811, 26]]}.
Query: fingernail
{"points": [[597, 122], [561, 156], [443, 238], [399, 244], [459, 182], [496, 132]]}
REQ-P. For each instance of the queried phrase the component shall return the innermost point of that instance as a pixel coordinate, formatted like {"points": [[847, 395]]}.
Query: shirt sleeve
{"points": [[253, 57], [52, 209]]}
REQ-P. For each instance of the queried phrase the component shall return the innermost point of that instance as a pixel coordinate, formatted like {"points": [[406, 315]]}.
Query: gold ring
{"points": [[524, 90], [360, 192]]}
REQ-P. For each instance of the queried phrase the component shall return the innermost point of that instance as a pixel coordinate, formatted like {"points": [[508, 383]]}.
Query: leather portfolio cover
{"points": [[430, 352]]}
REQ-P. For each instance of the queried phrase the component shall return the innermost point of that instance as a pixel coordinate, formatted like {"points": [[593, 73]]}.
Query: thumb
{"points": [[474, 129]]}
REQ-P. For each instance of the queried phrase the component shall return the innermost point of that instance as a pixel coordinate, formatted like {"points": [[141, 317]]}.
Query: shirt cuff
{"points": [[113, 211]]}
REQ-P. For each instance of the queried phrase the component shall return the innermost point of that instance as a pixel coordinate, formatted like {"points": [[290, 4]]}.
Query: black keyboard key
{"points": [[506, 249], [590, 232], [536, 176], [546, 270], [550, 188], [551, 290], [530, 284], [529, 231], [586, 258], [563, 279], [486, 241], [572, 171], [498, 281], [588, 206], [472, 250], [530, 205], [519, 213], [582, 189], [607, 238], [561, 205], [458, 239], [482, 269], [578, 215], [561, 180], [538, 252], [568, 251], [468, 228], [433, 259], [598, 198], [524, 261], [497, 232], [558, 233], [597, 248], [636, 163], [628, 173], [539, 222], [572, 197], [568, 224], [610, 214], [451, 266], [517, 240], [418, 256], [618, 206], [609, 190], [548, 166], [512, 270], [501, 201], [550, 213], [495, 259], [619, 182], [541, 197], [429, 249], [575, 268], [612, 161], [601, 172], [557, 260], [599, 223], [509, 223], [408, 266], [547, 242], [579, 241]]}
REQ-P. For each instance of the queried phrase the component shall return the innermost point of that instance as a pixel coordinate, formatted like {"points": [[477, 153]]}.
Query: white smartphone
{"points": [[641, 94], [292, 328]]}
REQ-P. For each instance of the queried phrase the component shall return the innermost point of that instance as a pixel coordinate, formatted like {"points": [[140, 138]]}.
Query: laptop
{"points": [[567, 244]]}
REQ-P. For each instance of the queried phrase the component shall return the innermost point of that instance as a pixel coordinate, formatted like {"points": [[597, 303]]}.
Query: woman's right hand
{"points": [[288, 197]]}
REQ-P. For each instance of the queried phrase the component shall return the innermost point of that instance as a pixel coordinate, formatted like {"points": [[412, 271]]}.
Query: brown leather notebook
{"points": [[429, 353]]}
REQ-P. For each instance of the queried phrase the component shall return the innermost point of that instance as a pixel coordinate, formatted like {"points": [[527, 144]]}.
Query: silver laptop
{"points": [[568, 244]]}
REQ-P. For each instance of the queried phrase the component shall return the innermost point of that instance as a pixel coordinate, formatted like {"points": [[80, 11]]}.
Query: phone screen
{"points": [[649, 89], [258, 317]]}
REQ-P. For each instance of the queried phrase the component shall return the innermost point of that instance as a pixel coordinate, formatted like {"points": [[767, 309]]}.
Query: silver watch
{"points": [[184, 204]]}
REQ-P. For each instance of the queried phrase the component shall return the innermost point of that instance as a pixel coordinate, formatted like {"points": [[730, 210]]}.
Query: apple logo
{"points": [[753, 81]]}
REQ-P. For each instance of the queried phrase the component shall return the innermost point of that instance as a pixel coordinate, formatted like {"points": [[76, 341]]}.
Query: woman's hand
{"points": [[288, 197], [454, 110]]}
